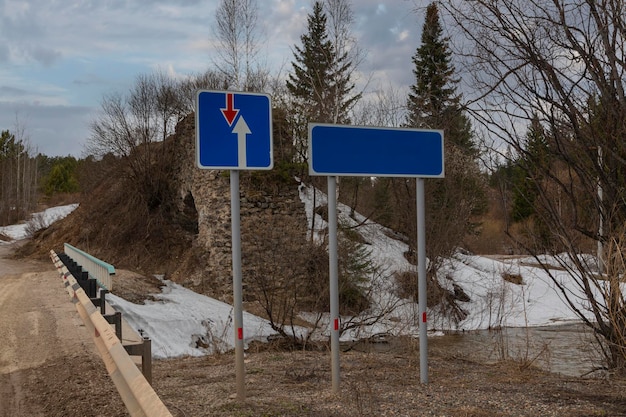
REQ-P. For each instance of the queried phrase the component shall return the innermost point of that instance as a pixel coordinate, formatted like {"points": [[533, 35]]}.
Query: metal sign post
{"points": [[422, 296], [336, 150], [234, 131], [333, 274], [237, 283]]}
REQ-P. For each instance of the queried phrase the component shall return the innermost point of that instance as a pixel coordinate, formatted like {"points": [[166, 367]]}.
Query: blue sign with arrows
{"points": [[337, 150], [233, 130]]}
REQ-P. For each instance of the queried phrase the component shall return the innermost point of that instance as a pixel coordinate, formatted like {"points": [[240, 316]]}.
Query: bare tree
{"points": [[112, 132], [18, 174], [348, 52], [26, 171], [384, 107], [187, 89], [169, 102], [564, 63], [238, 38], [147, 113], [132, 127]]}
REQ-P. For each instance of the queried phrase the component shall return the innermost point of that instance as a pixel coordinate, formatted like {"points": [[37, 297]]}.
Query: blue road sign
{"points": [[233, 130], [375, 151]]}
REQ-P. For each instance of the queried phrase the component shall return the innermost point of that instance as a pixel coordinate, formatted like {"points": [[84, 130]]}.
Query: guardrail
{"points": [[139, 397], [99, 270], [89, 285]]}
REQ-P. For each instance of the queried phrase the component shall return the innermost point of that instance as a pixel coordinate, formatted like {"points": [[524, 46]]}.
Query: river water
{"points": [[566, 349]]}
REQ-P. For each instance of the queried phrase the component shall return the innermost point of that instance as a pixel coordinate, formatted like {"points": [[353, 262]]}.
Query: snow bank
{"points": [[493, 300], [181, 322], [38, 220]]}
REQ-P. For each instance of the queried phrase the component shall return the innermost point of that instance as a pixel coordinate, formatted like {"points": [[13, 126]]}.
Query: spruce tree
{"points": [[319, 83], [310, 81], [433, 101], [528, 171]]}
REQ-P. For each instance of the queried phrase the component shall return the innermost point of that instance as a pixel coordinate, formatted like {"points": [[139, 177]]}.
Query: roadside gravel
{"points": [[378, 384]]}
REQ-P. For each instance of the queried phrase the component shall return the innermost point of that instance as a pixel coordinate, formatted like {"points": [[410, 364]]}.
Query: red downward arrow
{"points": [[229, 112]]}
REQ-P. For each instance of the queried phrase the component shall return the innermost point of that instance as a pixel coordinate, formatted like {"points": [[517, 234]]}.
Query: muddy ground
{"points": [[49, 367]]}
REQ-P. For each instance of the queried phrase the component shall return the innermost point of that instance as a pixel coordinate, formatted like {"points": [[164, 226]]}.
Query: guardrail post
{"points": [[144, 349], [115, 319], [101, 301], [146, 359]]}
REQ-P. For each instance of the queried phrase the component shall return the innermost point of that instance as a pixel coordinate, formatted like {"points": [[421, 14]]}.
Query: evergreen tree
{"points": [[319, 83], [62, 177], [433, 102], [10, 147], [528, 172], [313, 67]]}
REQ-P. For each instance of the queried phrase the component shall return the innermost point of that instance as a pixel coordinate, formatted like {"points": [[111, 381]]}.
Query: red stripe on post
{"points": [[336, 324], [240, 333], [424, 317]]}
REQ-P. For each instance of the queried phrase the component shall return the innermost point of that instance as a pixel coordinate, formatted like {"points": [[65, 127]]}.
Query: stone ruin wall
{"points": [[266, 219]]}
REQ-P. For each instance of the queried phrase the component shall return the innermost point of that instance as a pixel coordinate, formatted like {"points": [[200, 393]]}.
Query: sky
{"points": [[58, 58]]}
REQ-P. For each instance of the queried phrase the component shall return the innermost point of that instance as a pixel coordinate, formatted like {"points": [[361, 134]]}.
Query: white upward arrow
{"points": [[241, 129]]}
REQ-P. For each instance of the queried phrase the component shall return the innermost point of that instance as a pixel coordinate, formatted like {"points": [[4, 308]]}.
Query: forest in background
{"points": [[30, 180]]}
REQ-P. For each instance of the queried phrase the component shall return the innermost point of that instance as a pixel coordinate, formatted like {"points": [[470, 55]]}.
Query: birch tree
{"points": [[18, 176], [237, 36]]}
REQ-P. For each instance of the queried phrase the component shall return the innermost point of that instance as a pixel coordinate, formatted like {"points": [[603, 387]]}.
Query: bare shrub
{"points": [[445, 302], [290, 280], [406, 282]]}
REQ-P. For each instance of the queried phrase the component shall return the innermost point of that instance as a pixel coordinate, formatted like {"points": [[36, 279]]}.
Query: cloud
{"points": [[90, 79], [24, 35], [390, 32], [52, 130], [59, 58], [8, 91], [43, 55], [4, 52], [44, 31]]}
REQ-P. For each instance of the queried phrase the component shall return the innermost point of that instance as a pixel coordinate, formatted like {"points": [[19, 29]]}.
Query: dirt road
{"points": [[43, 342]]}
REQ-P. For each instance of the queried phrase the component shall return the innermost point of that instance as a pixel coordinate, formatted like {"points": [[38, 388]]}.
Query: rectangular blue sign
{"points": [[233, 130], [375, 151]]}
